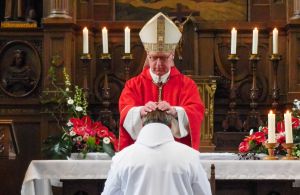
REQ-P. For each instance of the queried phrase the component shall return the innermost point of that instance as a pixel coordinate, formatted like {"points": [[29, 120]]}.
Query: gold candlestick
{"points": [[271, 148], [289, 147]]}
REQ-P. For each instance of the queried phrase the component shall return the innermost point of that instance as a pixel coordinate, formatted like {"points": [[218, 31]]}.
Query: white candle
{"points": [[254, 41], [271, 127], [233, 41], [104, 40], [127, 39], [275, 41], [85, 33], [288, 127]]}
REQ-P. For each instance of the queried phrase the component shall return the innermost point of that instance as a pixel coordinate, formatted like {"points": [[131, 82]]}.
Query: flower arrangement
{"points": [[254, 143], [80, 134]]}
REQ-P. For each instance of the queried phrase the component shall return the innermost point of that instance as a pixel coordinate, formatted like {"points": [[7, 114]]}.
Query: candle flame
{"points": [[271, 112]]}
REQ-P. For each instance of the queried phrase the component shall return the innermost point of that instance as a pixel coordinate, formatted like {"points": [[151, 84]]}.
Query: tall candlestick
{"points": [[271, 127], [85, 33], [104, 40], [275, 41], [233, 41], [127, 39], [288, 127], [254, 41]]}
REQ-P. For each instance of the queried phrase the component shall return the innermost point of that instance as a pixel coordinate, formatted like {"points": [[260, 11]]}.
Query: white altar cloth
{"points": [[41, 173]]}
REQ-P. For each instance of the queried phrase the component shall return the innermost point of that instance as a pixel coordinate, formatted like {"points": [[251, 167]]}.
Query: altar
{"points": [[232, 176]]}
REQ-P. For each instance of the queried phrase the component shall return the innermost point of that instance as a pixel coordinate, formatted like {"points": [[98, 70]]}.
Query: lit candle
{"points": [[271, 127], [85, 33], [127, 39], [254, 41], [275, 41], [233, 41], [288, 127], [104, 40]]}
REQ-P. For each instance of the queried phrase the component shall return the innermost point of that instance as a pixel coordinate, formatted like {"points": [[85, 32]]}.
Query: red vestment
{"points": [[179, 90]]}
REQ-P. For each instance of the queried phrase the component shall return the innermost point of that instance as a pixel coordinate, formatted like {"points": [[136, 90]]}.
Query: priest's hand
{"points": [[165, 106], [149, 107]]}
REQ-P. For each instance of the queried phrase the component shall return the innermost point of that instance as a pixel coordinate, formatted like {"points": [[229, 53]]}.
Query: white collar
{"points": [[154, 134], [157, 79]]}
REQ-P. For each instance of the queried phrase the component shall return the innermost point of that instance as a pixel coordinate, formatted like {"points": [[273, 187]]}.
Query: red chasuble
{"points": [[178, 91]]}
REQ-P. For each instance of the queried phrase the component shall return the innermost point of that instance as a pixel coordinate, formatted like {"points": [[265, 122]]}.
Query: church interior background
{"points": [[238, 93]]}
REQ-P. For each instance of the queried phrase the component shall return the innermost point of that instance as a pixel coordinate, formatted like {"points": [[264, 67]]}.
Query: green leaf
{"points": [[91, 143]]}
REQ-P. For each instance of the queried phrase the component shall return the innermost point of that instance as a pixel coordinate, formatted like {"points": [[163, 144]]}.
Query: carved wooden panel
{"points": [[20, 66], [294, 65]]}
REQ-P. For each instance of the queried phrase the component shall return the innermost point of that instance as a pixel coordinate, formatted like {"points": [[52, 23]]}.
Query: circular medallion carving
{"points": [[20, 68]]}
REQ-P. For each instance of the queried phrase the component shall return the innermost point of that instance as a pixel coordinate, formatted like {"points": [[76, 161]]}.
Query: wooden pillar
{"points": [[59, 9], [59, 51], [207, 86], [293, 54], [296, 10]]}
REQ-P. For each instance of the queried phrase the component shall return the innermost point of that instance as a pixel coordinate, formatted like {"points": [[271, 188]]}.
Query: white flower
{"points": [[78, 108], [72, 133], [251, 132], [67, 89], [106, 140], [79, 138], [69, 124], [70, 101], [297, 104]]}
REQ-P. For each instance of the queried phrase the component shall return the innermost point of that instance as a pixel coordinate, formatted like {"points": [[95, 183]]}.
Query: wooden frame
{"points": [[147, 10], [8, 143]]}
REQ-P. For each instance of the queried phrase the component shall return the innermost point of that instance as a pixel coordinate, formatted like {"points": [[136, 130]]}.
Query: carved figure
{"points": [[19, 78], [16, 9]]}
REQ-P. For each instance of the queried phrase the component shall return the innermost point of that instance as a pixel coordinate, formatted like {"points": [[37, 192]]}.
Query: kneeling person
{"points": [[156, 164]]}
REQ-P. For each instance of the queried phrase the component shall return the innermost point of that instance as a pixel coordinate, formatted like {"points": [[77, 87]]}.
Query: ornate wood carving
{"points": [[20, 67], [207, 88], [8, 144]]}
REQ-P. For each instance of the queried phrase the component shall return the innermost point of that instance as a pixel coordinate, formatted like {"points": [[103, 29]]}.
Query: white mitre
{"points": [[160, 34]]}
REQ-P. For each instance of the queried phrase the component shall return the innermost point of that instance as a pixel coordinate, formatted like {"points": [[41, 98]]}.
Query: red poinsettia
{"points": [[244, 147], [89, 136], [253, 142]]}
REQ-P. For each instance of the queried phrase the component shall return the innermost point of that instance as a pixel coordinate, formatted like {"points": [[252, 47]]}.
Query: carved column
{"points": [[59, 9], [296, 12], [59, 48], [293, 56], [207, 86]]}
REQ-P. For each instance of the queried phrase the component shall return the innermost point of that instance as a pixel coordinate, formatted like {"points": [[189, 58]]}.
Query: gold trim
{"points": [[160, 33], [166, 47]]}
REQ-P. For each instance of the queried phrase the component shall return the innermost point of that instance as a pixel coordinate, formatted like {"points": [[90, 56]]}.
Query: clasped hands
{"points": [[162, 105]]}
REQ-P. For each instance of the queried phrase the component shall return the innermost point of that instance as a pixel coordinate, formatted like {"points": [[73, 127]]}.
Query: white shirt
{"points": [[157, 165]]}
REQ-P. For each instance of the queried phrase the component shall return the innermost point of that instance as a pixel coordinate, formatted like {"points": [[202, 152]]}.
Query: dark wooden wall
{"points": [[206, 46]]}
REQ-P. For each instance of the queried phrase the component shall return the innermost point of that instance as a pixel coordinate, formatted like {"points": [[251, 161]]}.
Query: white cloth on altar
{"points": [[41, 174], [157, 164]]}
